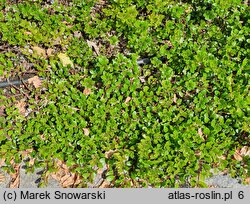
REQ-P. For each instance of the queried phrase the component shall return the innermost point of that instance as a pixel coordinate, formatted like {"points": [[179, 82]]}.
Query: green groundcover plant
{"points": [[165, 124]]}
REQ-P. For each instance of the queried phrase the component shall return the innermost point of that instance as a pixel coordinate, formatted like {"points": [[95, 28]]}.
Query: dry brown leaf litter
{"points": [[200, 133], [39, 51], [93, 45], [87, 91], [21, 106], [35, 81], [15, 177], [175, 98], [240, 153], [2, 110], [66, 178], [128, 99], [65, 60], [109, 153], [86, 131], [49, 52], [105, 184], [2, 178]]}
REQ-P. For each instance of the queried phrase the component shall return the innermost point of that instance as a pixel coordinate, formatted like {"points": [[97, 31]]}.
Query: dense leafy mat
{"points": [[163, 124]]}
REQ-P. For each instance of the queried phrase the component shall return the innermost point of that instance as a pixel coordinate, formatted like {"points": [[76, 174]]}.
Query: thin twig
{"points": [[25, 84], [20, 91]]}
